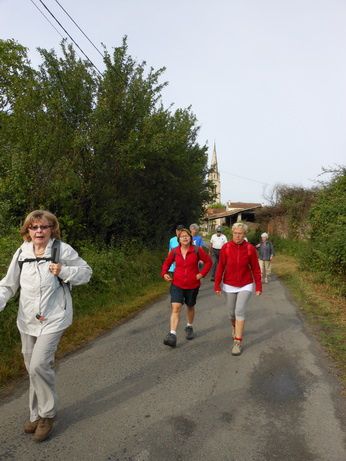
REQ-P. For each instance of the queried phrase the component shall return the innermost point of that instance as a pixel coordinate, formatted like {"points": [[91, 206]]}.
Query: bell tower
{"points": [[214, 176]]}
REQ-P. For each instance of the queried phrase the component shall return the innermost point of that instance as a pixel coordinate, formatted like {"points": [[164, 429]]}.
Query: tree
{"points": [[99, 151]]}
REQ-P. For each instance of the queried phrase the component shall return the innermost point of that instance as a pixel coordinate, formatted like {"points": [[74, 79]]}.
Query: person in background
{"points": [[185, 282], [196, 238], [238, 271], [173, 243], [217, 241], [45, 309], [265, 255]]}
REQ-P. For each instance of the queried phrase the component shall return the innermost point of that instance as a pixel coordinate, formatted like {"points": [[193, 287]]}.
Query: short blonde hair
{"points": [[240, 225], [38, 215]]}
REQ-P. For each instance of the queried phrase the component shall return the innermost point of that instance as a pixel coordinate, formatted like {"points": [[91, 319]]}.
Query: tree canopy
{"points": [[102, 152]]}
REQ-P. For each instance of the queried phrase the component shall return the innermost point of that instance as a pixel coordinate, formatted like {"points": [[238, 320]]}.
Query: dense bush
{"points": [[99, 151], [119, 276], [327, 245]]}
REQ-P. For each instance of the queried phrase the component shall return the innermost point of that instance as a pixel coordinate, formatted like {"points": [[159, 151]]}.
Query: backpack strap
{"points": [[55, 255], [195, 249]]}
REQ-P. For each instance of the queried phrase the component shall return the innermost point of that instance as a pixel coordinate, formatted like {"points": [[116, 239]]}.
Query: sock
{"points": [[173, 332], [238, 339], [189, 324]]}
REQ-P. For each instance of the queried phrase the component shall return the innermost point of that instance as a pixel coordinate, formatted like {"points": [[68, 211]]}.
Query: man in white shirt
{"points": [[217, 241]]}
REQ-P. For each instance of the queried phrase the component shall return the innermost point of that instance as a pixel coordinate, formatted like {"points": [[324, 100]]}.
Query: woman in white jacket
{"points": [[45, 308]]}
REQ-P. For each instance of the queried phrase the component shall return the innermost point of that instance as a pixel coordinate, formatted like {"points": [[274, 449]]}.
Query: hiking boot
{"points": [[44, 428], [30, 426], [189, 332], [170, 340], [236, 349]]}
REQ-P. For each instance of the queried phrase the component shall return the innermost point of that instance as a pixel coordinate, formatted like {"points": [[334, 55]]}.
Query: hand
{"points": [[218, 293], [167, 277], [55, 268], [258, 293], [199, 276]]}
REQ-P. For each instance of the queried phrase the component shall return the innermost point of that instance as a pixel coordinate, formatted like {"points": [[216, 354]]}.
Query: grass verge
{"points": [[322, 306], [124, 281]]}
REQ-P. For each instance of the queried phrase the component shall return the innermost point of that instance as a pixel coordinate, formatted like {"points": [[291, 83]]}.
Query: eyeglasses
{"points": [[42, 227]]}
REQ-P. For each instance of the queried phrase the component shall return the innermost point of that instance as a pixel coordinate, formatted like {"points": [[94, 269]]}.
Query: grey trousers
{"points": [[236, 303], [39, 354]]}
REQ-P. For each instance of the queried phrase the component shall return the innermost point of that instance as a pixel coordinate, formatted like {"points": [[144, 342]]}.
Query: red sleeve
{"points": [[203, 256], [220, 268], [167, 262], [255, 268]]}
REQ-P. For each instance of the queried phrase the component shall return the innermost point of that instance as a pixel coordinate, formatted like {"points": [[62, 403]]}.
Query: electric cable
{"points": [[63, 28], [46, 17], [75, 23], [247, 179]]}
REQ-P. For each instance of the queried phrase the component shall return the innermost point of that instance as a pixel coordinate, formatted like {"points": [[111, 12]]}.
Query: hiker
{"points": [[239, 271], [42, 268], [217, 241], [265, 255], [185, 282], [173, 243], [196, 238]]}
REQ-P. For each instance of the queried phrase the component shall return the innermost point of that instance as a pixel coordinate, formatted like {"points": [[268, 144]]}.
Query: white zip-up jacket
{"points": [[41, 292]]}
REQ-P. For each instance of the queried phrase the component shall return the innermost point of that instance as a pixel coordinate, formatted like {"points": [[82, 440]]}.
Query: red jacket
{"points": [[238, 266], [186, 269]]}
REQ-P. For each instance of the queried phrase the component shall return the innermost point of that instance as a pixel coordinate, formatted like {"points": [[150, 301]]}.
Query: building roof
{"points": [[236, 205], [233, 208]]}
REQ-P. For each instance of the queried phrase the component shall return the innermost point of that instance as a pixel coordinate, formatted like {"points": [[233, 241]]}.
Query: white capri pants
{"points": [[39, 355], [236, 303]]}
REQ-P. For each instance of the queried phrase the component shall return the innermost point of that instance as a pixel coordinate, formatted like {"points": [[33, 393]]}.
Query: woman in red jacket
{"points": [[185, 282], [239, 270]]}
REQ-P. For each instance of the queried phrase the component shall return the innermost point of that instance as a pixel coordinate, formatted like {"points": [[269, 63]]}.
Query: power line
{"points": [[248, 179], [74, 22], [46, 17], [63, 28]]}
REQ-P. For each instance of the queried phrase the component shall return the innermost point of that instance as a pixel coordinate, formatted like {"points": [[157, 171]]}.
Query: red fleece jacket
{"points": [[238, 266], [186, 268]]}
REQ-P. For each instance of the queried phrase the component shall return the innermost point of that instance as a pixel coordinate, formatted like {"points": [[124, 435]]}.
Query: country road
{"points": [[127, 397]]}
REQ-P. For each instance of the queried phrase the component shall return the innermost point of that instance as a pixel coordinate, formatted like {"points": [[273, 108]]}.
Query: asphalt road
{"points": [[127, 397]]}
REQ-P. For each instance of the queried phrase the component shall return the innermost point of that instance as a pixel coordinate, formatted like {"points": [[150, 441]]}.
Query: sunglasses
{"points": [[42, 227]]}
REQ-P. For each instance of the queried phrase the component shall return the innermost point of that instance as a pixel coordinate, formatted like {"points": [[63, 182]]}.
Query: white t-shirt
{"points": [[218, 241], [232, 289]]}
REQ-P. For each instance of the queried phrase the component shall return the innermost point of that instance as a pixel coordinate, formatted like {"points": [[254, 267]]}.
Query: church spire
{"points": [[214, 176], [214, 160]]}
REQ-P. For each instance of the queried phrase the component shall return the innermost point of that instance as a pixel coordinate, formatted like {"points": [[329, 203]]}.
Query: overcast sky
{"points": [[266, 79]]}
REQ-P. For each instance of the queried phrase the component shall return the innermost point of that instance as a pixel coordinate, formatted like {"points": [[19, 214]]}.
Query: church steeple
{"points": [[214, 176]]}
